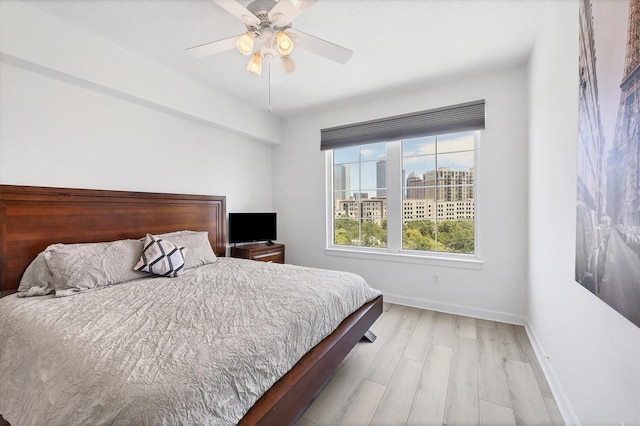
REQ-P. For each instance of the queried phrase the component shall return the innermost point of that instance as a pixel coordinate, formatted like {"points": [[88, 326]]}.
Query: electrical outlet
{"points": [[436, 279]]}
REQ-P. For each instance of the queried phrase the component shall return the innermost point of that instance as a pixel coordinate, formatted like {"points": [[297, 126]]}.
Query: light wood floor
{"points": [[431, 368]]}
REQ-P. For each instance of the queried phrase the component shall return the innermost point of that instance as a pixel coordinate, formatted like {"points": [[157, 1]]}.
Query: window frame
{"points": [[394, 250]]}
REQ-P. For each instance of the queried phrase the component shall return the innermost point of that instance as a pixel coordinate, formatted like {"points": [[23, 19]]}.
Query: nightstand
{"points": [[260, 252]]}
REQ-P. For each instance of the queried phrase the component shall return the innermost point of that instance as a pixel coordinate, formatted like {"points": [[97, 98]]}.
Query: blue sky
{"points": [[455, 150]]}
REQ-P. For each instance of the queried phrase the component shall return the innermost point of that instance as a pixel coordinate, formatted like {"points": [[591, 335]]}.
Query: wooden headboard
{"points": [[33, 217]]}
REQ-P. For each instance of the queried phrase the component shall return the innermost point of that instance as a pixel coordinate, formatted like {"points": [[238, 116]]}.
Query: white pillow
{"points": [[161, 257], [197, 244]]}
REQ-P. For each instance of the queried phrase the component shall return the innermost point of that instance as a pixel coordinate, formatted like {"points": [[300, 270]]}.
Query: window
{"points": [[359, 196], [440, 172], [412, 195]]}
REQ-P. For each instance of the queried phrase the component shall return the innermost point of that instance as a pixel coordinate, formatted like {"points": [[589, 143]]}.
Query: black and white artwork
{"points": [[608, 169]]}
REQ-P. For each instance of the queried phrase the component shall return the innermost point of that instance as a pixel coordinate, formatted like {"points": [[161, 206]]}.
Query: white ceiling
{"points": [[396, 43]]}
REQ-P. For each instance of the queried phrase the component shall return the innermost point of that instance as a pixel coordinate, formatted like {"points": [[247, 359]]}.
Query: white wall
{"points": [[32, 39], [66, 122], [498, 289], [56, 134], [594, 353]]}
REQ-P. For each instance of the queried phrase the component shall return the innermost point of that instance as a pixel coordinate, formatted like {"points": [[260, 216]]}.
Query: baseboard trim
{"points": [[564, 405], [448, 308]]}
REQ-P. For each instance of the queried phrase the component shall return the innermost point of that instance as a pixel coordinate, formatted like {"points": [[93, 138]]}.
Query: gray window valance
{"points": [[450, 119]]}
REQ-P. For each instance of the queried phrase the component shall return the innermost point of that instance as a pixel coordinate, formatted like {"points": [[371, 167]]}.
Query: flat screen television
{"points": [[252, 227]]}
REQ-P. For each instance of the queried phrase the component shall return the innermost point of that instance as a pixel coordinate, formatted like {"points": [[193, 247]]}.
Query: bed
{"points": [[33, 218]]}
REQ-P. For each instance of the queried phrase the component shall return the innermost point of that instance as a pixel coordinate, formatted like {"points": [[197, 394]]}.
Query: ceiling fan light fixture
{"points": [[244, 44], [287, 64], [284, 43], [269, 34], [255, 64]]}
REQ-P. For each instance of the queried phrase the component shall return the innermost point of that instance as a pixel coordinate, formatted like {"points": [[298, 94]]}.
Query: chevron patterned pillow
{"points": [[160, 257]]}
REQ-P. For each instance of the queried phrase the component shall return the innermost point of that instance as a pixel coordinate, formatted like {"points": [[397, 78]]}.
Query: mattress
{"points": [[200, 348]]}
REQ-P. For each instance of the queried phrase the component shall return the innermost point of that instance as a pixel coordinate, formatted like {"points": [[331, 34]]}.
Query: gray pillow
{"points": [[80, 267], [37, 279], [199, 251]]}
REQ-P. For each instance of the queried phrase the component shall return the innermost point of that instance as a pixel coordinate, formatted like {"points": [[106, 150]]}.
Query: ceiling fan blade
{"points": [[239, 11], [286, 11], [320, 47], [214, 47]]}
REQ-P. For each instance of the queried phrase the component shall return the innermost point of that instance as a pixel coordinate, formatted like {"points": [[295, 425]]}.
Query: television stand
{"points": [[262, 252]]}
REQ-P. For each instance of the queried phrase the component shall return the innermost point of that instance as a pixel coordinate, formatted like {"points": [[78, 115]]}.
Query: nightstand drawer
{"points": [[276, 256], [260, 252]]}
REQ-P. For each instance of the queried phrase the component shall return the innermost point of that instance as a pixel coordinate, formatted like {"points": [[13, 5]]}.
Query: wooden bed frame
{"points": [[32, 217]]}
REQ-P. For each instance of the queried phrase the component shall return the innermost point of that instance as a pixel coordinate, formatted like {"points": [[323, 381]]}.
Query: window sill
{"points": [[445, 262]]}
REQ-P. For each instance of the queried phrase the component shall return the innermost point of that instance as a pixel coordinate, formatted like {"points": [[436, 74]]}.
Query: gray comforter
{"points": [[196, 349]]}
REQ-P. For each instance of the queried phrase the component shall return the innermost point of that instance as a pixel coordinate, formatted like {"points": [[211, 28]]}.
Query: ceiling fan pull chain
{"points": [[269, 64]]}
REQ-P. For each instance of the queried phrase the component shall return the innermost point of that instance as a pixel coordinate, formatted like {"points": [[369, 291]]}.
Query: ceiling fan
{"points": [[269, 24]]}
